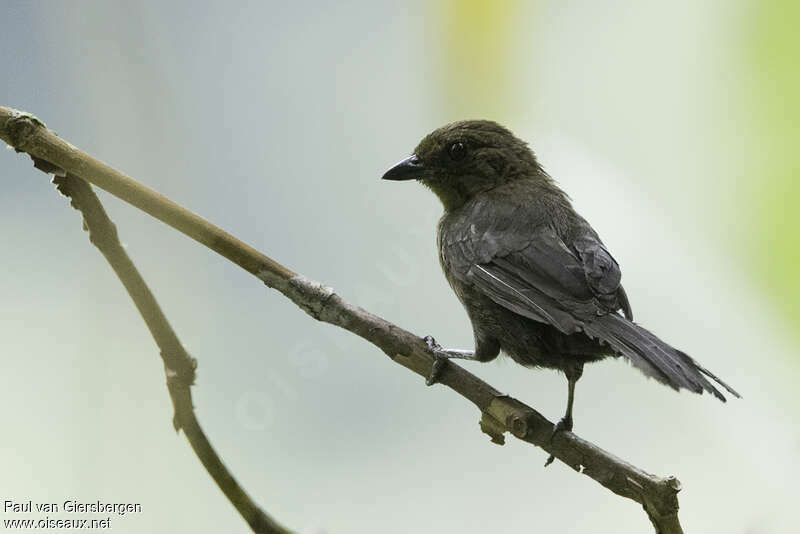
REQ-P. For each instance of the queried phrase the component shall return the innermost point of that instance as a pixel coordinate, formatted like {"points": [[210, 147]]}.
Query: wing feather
{"points": [[573, 286]]}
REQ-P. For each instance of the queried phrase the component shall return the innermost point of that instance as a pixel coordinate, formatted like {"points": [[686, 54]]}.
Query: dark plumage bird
{"points": [[536, 280]]}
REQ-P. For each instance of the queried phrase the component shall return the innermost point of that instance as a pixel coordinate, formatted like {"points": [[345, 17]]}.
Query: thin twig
{"points": [[178, 365], [500, 413]]}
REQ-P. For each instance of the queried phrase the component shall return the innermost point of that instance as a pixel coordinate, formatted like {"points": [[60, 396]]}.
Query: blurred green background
{"points": [[673, 125]]}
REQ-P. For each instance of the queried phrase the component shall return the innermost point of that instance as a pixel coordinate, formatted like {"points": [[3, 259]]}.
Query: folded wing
{"points": [[573, 287]]}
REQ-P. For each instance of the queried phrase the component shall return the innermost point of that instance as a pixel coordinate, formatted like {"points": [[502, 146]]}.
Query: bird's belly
{"points": [[528, 342]]}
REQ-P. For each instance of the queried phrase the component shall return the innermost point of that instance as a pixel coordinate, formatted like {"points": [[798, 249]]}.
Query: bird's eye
{"points": [[457, 151]]}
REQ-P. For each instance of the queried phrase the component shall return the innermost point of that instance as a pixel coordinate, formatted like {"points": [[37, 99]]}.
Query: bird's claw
{"points": [[564, 424], [433, 346], [439, 362]]}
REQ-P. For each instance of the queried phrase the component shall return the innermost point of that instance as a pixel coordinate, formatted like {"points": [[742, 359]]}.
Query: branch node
{"points": [[311, 296], [493, 428], [661, 505], [519, 426], [505, 414], [673, 483], [180, 368], [21, 127]]}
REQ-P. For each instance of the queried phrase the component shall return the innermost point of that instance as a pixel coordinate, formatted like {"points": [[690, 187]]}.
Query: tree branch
{"points": [[178, 365], [500, 413]]}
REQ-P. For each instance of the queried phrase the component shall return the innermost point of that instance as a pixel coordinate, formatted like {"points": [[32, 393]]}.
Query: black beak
{"points": [[410, 168]]}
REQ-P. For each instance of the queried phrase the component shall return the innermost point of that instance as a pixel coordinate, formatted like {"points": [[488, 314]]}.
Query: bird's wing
{"points": [[532, 272], [574, 288], [549, 282]]}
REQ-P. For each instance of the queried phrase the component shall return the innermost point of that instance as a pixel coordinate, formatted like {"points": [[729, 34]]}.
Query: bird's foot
{"points": [[433, 346], [439, 361], [565, 423]]}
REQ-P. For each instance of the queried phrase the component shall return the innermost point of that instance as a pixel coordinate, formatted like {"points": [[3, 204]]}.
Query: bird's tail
{"points": [[654, 357]]}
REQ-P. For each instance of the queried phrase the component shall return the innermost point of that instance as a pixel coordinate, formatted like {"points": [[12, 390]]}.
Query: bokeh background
{"points": [[673, 125]]}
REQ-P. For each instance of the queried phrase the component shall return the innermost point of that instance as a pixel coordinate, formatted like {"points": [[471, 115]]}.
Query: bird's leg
{"points": [[565, 423], [573, 373], [441, 356]]}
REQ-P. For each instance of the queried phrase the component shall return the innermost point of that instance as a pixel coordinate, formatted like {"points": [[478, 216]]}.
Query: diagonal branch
{"points": [[178, 365], [500, 413]]}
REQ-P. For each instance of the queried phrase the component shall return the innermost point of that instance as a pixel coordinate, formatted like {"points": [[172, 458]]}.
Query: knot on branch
{"points": [[313, 297], [661, 505], [21, 127], [180, 368], [506, 414], [181, 394]]}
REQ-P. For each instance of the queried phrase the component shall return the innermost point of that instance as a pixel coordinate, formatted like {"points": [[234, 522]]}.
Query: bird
{"points": [[535, 279]]}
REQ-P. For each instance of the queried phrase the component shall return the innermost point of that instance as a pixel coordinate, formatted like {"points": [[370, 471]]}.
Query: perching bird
{"points": [[535, 279]]}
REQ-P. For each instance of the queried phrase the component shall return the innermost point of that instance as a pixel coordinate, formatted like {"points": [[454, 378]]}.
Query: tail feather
{"points": [[654, 357]]}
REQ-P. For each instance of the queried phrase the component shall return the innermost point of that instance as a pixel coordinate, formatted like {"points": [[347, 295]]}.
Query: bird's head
{"points": [[463, 159]]}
